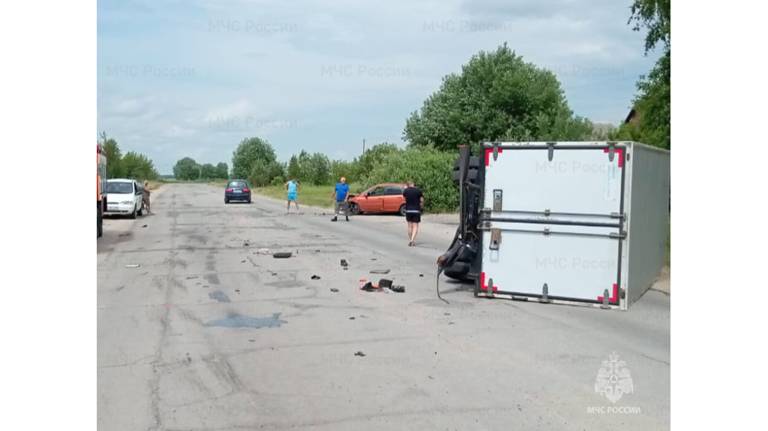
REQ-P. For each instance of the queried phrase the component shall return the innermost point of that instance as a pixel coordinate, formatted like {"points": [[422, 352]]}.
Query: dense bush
{"points": [[430, 169], [263, 172]]}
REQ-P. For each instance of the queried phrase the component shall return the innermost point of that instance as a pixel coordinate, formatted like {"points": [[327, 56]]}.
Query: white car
{"points": [[124, 197]]}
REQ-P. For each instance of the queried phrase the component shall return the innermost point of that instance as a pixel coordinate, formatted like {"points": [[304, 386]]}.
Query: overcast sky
{"points": [[194, 77]]}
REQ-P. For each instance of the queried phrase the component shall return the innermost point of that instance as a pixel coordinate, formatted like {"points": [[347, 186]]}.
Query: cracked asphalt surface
{"points": [[210, 332]]}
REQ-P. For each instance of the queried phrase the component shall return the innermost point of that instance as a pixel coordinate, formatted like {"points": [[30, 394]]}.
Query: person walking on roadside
{"points": [[340, 196], [145, 197], [414, 203], [292, 186]]}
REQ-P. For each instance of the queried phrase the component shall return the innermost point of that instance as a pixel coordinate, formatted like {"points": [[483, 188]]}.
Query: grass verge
{"points": [[318, 196]]}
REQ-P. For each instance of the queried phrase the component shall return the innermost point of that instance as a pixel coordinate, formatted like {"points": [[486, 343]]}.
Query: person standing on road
{"points": [[292, 186], [414, 203], [145, 197], [340, 196]]}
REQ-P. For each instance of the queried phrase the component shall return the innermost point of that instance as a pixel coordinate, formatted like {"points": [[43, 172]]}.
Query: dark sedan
{"points": [[237, 190]]}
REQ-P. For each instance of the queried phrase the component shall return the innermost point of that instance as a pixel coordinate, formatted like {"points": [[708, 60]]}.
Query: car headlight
{"points": [[126, 203]]}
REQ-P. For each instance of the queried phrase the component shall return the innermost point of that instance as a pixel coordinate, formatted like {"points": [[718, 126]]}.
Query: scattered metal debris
{"points": [[132, 265], [359, 353], [380, 271], [282, 255]]}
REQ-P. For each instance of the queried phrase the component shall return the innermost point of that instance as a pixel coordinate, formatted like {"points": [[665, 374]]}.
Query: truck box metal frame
{"points": [[555, 209]]}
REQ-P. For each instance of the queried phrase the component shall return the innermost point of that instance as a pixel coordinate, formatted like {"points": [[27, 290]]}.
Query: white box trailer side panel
{"points": [[648, 222], [577, 263], [578, 180]]}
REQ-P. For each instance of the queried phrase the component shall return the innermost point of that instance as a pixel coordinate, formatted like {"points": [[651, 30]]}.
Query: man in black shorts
{"points": [[414, 202]]}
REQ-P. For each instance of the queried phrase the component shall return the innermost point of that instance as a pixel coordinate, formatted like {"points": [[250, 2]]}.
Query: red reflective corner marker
{"points": [[614, 296], [482, 283], [488, 153], [619, 153]]}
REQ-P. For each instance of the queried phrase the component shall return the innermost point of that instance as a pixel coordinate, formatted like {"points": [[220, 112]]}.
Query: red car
{"points": [[381, 198]]}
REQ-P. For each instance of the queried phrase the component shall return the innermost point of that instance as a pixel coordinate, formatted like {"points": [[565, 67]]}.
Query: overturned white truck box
{"points": [[570, 222]]}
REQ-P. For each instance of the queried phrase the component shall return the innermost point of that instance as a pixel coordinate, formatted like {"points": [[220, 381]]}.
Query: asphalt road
{"points": [[210, 333]]}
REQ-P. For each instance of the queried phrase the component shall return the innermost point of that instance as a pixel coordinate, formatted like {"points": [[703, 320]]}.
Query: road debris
{"points": [[385, 283], [380, 271], [315, 277], [334, 290], [246, 243], [282, 254], [344, 264], [144, 226], [132, 265], [219, 296], [398, 288], [359, 353], [351, 317]]}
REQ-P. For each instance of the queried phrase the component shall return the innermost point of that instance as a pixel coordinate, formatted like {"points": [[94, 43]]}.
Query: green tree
{"points": [[114, 156], [138, 166], [319, 169], [248, 153], [186, 169], [341, 168], [222, 170], [294, 170], [371, 158], [263, 172], [208, 171], [496, 96], [652, 103]]}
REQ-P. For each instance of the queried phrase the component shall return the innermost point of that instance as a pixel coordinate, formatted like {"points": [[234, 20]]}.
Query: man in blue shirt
{"points": [[340, 196], [292, 186]]}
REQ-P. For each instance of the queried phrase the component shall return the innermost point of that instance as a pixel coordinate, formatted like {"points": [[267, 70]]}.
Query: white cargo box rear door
{"points": [[555, 224]]}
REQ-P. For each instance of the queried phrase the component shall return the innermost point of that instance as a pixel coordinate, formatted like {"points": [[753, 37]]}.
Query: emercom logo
{"points": [[613, 379]]}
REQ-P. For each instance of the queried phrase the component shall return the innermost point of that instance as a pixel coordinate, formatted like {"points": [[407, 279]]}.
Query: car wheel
{"points": [[354, 209], [133, 214], [226, 201], [141, 210], [402, 210]]}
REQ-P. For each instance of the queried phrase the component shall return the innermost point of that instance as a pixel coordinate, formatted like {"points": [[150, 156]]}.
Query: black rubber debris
{"points": [[385, 283], [351, 317], [144, 226], [315, 277], [282, 255], [397, 288], [380, 271], [359, 353], [344, 263], [334, 290]]}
